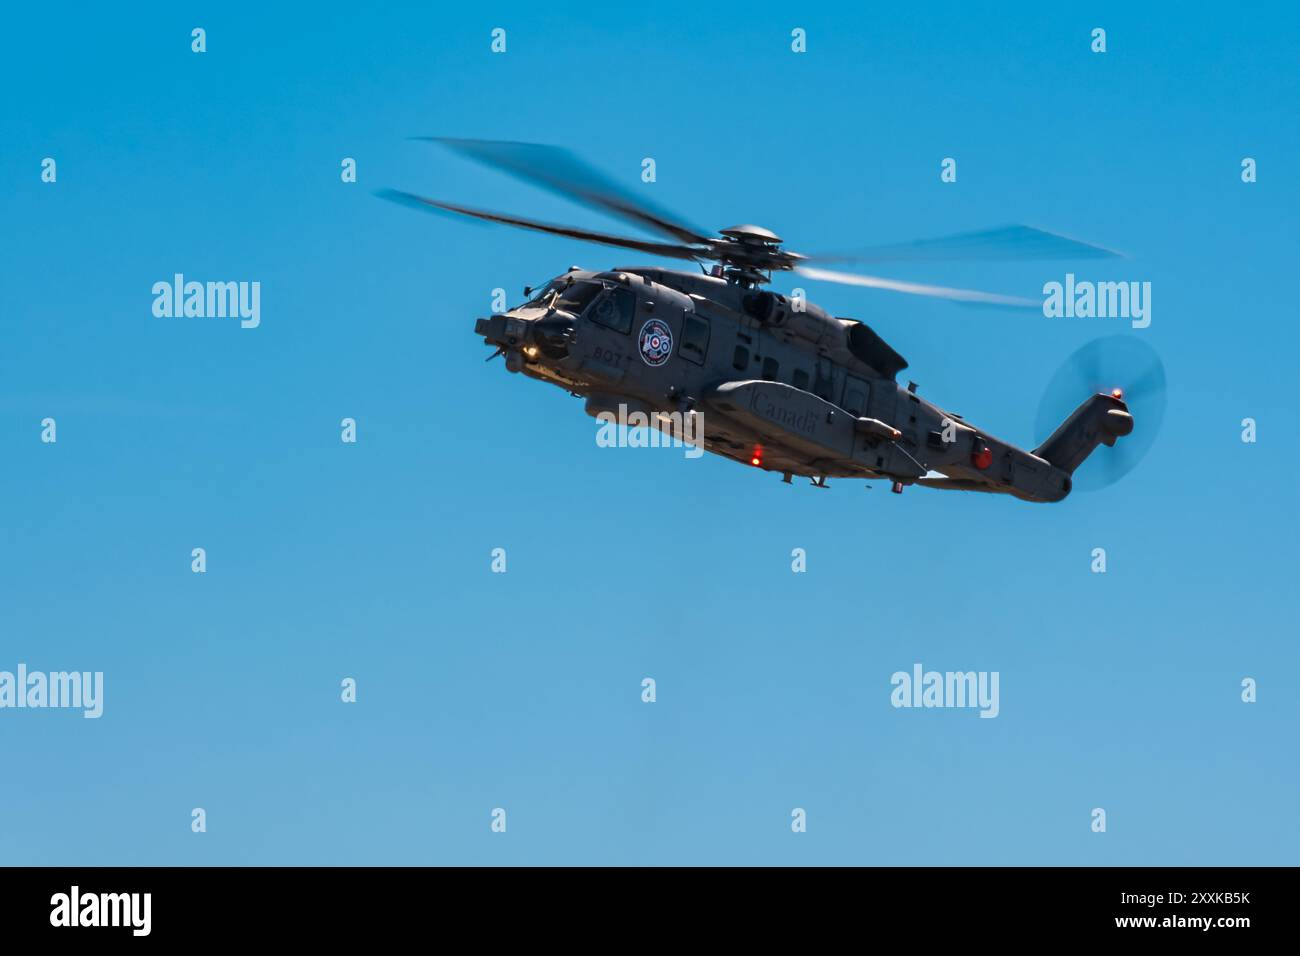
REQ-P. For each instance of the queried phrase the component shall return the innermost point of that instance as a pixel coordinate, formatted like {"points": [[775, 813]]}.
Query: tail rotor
{"points": [[1120, 366]]}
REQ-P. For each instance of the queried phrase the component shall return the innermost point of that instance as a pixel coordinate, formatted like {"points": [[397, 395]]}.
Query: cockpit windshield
{"points": [[543, 295], [569, 296]]}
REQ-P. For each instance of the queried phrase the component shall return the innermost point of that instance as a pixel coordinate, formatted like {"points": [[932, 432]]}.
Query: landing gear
{"points": [[897, 488], [820, 482]]}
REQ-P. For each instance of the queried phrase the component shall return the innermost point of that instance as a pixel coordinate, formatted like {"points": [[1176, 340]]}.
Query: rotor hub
{"points": [[750, 254], [751, 234]]}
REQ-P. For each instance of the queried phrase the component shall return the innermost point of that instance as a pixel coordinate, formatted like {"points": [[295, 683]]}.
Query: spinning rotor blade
{"points": [[561, 172], [916, 288], [1121, 362], [1005, 243], [432, 205]]}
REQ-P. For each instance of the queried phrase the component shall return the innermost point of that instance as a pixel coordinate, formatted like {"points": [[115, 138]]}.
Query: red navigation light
{"points": [[982, 458]]}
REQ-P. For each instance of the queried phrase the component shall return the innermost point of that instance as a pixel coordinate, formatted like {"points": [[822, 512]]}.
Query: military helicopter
{"points": [[783, 385]]}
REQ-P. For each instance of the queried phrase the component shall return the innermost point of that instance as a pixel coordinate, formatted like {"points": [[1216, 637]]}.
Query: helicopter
{"points": [[782, 384]]}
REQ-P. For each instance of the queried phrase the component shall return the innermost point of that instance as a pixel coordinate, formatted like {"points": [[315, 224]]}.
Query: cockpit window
{"points": [[614, 310], [565, 294], [577, 297]]}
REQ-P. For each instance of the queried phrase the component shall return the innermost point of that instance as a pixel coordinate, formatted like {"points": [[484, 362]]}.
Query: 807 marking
{"points": [[608, 356]]}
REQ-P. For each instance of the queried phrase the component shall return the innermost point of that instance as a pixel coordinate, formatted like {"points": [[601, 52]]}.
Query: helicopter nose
{"points": [[499, 331], [552, 335]]}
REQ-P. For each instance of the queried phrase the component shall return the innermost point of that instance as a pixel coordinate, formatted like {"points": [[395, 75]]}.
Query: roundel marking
{"points": [[655, 343]]}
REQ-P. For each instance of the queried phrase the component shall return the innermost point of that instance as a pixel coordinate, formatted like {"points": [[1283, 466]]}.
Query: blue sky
{"points": [[522, 690]]}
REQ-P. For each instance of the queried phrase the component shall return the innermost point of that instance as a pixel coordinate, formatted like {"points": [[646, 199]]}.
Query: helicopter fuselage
{"points": [[782, 385]]}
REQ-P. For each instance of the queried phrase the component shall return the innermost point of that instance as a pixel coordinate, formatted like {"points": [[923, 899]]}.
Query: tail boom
{"points": [[1101, 420]]}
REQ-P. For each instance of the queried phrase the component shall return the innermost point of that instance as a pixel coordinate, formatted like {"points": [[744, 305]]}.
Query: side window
{"points": [[855, 396], [695, 338], [825, 384], [800, 379], [614, 310], [740, 361], [770, 369]]}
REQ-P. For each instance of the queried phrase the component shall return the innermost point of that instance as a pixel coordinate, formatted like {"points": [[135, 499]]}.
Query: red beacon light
{"points": [[1118, 393], [756, 459]]}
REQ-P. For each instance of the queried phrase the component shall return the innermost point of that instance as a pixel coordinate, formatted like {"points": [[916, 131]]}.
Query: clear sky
{"points": [[522, 690]]}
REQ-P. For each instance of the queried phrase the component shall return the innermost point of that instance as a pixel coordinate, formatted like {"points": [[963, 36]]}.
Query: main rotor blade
{"points": [[916, 288], [432, 205], [1005, 243], [561, 172]]}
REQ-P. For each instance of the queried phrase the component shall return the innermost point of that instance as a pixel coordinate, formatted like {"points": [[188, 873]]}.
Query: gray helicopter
{"points": [[782, 384]]}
